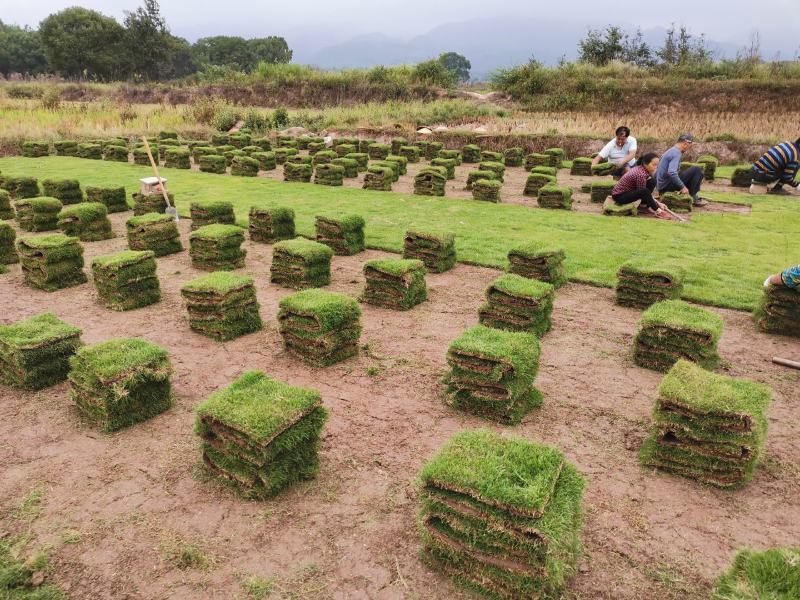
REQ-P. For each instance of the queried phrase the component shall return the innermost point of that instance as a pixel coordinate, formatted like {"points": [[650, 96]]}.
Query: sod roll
{"points": [[397, 284], [66, 148], [116, 153], [742, 177], [126, 280], [8, 250], [213, 163], [177, 158], [514, 157], [709, 163], [516, 303], [535, 182], [536, 260], [6, 210], [556, 157], [449, 165], [498, 168], [779, 311], [432, 150], [300, 264], [269, 225], [349, 166], [329, 174], [51, 262], [297, 172], [601, 190], [361, 158], [379, 151], [151, 203], [217, 247], [38, 214], [244, 166], [20, 187], [474, 176], [68, 191], [222, 305], [155, 232], [35, 149], [88, 221], [411, 153], [378, 178], [90, 151], [581, 166], [554, 196], [487, 190], [677, 202], [641, 283], [210, 212], [112, 197], [612, 209], [344, 235], [471, 153], [436, 250]]}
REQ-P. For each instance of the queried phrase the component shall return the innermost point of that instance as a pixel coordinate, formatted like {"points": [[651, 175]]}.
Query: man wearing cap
{"points": [[669, 177], [621, 151]]}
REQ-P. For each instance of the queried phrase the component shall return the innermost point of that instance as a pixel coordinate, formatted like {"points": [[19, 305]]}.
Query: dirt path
{"points": [[114, 506]]}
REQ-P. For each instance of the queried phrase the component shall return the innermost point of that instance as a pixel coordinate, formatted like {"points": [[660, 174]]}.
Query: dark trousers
{"points": [[692, 178], [768, 178], [643, 194]]}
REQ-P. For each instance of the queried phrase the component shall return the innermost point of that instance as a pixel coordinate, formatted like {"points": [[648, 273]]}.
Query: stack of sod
{"points": [[471, 153], [113, 198], [35, 353], [151, 203], [556, 157], [492, 372], [538, 261], [398, 284], [244, 166], [265, 145], [140, 156], [117, 154], [121, 382], [8, 252], [487, 190], [398, 143], [379, 178], [51, 262], [537, 160], [88, 221], [411, 153], [35, 149], [363, 145], [452, 155], [545, 171], [301, 264], [167, 135], [553, 196], [93, 151], [474, 176], [449, 165], [261, 435], [677, 202], [603, 168], [329, 174], [535, 182], [210, 212], [516, 303], [401, 161], [250, 150], [302, 142], [388, 164], [177, 158], [66, 190], [199, 151], [213, 163], [155, 232], [742, 177], [709, 164], [501, 515], [222, 306], [6, 210], [361, 158], [379, 151], [708, 427], [287, 144], [119, 142], [217, 247], [601, 190], [432, 150], [771, 574], [283, 154], [322, 328], [779, 311], [581, 166], [430, 182], [303, 160], [314, 147], [66, 148], [38, 214], [642, 283], [514, 157], [240, 140], [437, 251], [300, 172], [220, 139], [489, 156], [671, 330], [266, 160], [21, 187], [344, 235], [126, 280], [349, 165], [498, 168], [271, 225], [345, 149], [612, 209]]}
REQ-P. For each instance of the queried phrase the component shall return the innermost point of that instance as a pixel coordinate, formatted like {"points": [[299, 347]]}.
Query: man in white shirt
{"points": [[620, 151]]}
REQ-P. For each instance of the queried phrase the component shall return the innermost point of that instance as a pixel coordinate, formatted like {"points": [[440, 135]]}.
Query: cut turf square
{"points": [[121, 382], [474, 176], [297, 172], [217, 248], [601, 190], [38, 214], [88, 221], [329, 174], [398, 284], [430, 182], [516, 303], [779, 311], [126, 280], [471, 153], [487, 190], [379, 178], [437, 250], [155, 232], [270, 225], [211, 212], [112, 197], [556, 157], [20, 187], [554, 196], [641, 283], [344, 235], [68, 191], [535, 260], [151, 203], [51, 262], [222, 305], [301, 264], [535, 182], [581, 166]]}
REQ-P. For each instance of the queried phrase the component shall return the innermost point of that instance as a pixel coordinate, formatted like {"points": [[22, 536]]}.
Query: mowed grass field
{"points": [[727, 256]]}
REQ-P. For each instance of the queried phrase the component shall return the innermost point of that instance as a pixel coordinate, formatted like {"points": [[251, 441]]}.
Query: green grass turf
{"points": [[677, 314], [510, 350], [770, 575], [113, 359], [329, 310], [38, 330], [221, 282], [395, 267], [726, 255], [16, 578]]}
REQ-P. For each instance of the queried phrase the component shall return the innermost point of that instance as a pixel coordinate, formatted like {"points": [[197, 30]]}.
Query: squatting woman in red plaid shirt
{"points": [[638, 184]]}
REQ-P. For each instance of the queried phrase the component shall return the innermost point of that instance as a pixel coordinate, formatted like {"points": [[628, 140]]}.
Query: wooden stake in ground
{"points": [[170, 210], [785, 362]]}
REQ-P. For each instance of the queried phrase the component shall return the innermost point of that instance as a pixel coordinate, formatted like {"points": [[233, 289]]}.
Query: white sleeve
{"points": [[632, 144], [607, 149]]}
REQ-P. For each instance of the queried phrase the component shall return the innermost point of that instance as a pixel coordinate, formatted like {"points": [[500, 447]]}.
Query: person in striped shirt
{"points": [[638, 184], [776, 168]]}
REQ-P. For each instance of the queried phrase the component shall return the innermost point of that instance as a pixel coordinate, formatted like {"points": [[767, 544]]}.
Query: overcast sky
{"points": [[729, 21]]}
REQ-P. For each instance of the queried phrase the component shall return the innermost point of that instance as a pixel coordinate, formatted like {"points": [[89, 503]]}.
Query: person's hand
{"points": [[661, 205], [685, 191]]}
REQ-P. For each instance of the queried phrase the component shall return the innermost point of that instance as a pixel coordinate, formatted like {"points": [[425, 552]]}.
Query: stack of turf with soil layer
{"points": [[213, 163], [217, 248], [300, 264], [604, 168], [322, 328], [487, 190], [314, 147], [363, 145], [283, 154], [516, 303], [150, 203], [474, 176], [140, 156], [244, 166], [155, 232], [708, 427], [117, 154], [379, 151], [642, 283], [344, 235], [51, 262], [545, 171], [302, 160], [498, 168], [126, 280], [8, 251], [742, 177], [345, 149], [398, 284], [378, 178], [514, 157], [269, 225], [778, 311], [773, 574], [220, 139], [489, 156], [501, 516], [329, 174], [349, 165], [240, 140], [88, 221], [581, 166], [121, 382], [553, 196], [265, 145], [535, 182], [536, 160], [92, 151], [199, 151], [177, 158], [35, 149], [113, 198], [35, 353], [231, 154], [398, 143], [38, 214], [6, 210], [471, 153], [210, 212], [266, 160], [361, 158], [21, 187], [411, 153], [452, 155], [432, 150], [612, 209], [297, 172], [448, 164], [401, 161], [66, 148], [168, 135], [601, 190], [436, 250], [66, 190], [556, 157], [261, 435], [709, 163], [395, 167], [535, 260], [430, 182], [677, 202], [672, 330], [222, 306], [250, 150], [492, 373]]}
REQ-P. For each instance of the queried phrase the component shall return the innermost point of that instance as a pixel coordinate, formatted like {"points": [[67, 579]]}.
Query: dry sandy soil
{"points": [[113, 509]]}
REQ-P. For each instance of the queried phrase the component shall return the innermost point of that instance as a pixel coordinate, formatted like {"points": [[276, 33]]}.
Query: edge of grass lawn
{"points": [[726, 256]]}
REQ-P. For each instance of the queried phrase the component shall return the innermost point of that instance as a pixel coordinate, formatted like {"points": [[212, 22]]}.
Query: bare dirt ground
{"points": [[115, 511]]}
